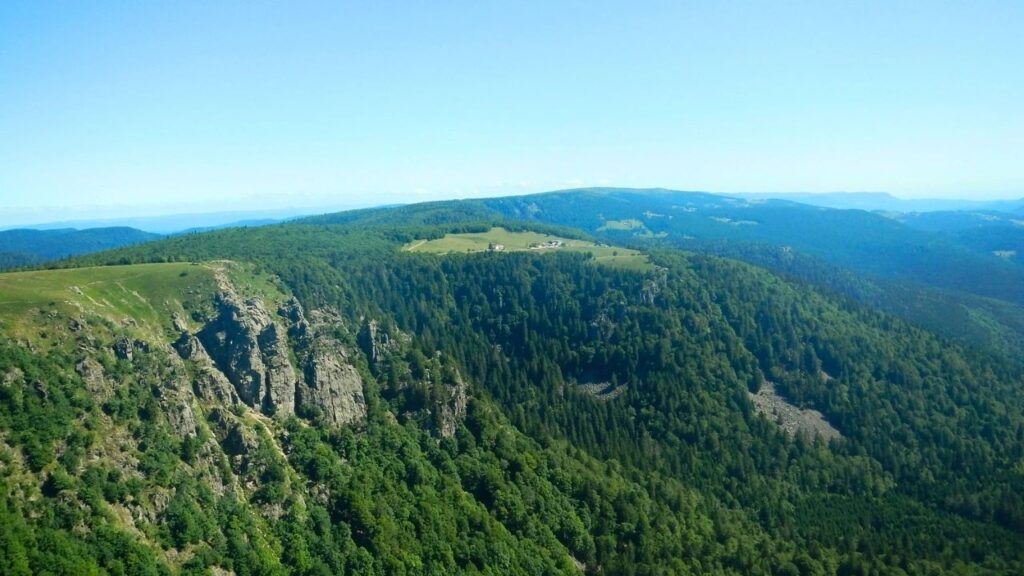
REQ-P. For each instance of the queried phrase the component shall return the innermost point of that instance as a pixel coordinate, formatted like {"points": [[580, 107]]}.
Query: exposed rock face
{"points": [[332, 384], [239, 441], [453, 407], [280, 375], [188, 347], [243, 355], [291, 311], [649, 292], [214, 386], [181, 418], [179, 323], [376, 342], [210, 383], [123, 348], [92, 374], [249, 348]]}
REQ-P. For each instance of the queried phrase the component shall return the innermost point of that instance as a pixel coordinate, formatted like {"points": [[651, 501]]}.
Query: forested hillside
{"points": [[997, 233], [25, 247], [356, 407], [861, 241], [957, 273]]}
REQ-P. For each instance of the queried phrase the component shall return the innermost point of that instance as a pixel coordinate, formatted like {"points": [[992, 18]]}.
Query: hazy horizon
{"points": [[138, 109], [94, 215]]}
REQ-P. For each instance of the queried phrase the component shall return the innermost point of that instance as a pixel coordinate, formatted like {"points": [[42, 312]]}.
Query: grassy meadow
{"points": [[471, 242]]}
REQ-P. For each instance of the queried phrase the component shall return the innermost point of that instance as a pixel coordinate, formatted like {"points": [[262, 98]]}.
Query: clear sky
{"points": [[142, 107]]}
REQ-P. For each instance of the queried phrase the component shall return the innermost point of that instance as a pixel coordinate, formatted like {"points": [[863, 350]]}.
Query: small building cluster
{"points": [[548, 244]]}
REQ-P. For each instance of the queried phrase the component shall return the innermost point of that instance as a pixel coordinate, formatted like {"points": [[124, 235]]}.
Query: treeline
{"points": [[674, 473]]}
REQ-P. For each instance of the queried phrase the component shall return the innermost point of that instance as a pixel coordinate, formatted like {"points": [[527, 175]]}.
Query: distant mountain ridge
{"points": [[862, 241], [532, 409], [874, 201], [951, 284], [24, 247], [178, 223]]}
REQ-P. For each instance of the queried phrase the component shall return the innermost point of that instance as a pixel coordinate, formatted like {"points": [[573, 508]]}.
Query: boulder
{"points": [[182, 419], [123, 348]]}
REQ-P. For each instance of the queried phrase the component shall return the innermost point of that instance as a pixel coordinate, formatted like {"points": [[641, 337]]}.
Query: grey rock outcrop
{"points": [[249, 348], [92, 375], [239, 441], [189, 348], [181, 418], [376, 341], [244, 354], [210, 383], [124, 349], [332, 384], [453, 407]]}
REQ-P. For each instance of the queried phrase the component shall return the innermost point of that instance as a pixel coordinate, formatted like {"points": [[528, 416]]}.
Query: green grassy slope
{"points": [[148, 296], [469, 242]]}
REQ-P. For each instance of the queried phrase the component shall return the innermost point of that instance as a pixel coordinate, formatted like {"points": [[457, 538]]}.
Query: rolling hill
{"points": [[324, 396], [25, 247], [948, 281]]}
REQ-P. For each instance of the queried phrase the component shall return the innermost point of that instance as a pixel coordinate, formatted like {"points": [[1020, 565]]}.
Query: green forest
{"points": [[526, 412]]}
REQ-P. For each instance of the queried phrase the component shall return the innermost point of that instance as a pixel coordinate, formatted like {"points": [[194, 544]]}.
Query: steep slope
{"points": [[147, 419], [25, 247], [652, 370]]}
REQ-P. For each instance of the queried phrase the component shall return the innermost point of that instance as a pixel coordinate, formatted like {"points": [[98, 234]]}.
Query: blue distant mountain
{"points": [[873, 201], [177, 223], [25, 247]]}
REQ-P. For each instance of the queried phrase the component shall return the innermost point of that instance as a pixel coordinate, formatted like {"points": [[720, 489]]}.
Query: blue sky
{"points": [[147, 107]]}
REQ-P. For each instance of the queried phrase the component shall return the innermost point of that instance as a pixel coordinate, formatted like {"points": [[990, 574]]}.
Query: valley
{"points": [[511, 289], [370, 392]]}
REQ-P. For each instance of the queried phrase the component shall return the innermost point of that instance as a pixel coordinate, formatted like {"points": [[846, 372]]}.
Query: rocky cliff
{"points": [[274, 362]]}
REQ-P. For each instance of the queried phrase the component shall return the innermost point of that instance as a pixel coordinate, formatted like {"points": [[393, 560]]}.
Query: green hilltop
{"points": [[499, 239], [358, 394]]}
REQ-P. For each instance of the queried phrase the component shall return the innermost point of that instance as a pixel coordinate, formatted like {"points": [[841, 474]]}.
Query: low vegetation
{"points": [[499, 239], [143, 298]]}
